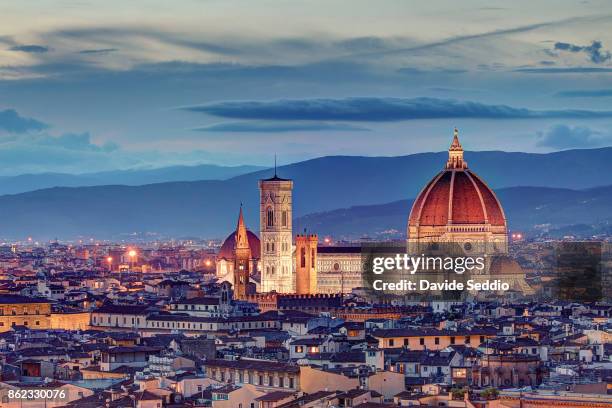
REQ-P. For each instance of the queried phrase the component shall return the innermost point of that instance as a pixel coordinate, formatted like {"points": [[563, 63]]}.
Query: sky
{"points": [[91, 86]]}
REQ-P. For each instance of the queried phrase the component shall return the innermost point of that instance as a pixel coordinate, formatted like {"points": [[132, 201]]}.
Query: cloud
{"points": [[419, 71], [77, 153], [75, 141], [483, 35], [568, 70], [593, 51], [12, 122], [585, 93], [375, 109], [279, 127], [32, 48], [42, 152], [98, 51], [566, 137]]}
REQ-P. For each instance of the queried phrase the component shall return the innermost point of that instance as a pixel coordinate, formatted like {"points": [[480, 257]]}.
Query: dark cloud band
{"points": [[374, 109], [279, 127]]}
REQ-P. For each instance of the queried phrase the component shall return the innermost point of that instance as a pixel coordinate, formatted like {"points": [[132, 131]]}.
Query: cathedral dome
{"points": [[456, 197], [456, 204], [227, 249]]}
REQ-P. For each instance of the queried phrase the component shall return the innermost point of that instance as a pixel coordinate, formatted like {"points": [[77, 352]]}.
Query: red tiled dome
{"points": [[227, 249], [456, 196]]}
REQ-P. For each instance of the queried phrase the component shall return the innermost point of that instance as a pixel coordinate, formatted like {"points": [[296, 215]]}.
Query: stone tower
{"points": [[242, 251], [306, 264], [276, 237]]}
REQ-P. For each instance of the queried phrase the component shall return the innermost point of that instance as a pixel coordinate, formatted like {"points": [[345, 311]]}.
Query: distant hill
{"points": [[209, 208], [30, 182], [531, 209]]}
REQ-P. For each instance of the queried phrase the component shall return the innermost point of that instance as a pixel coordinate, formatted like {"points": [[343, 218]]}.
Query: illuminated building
{"points": [[227, 258], [457, 206], [275, 220]]}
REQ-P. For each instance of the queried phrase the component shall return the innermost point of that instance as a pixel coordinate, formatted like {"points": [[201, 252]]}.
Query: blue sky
{"points": [[87, 86]]}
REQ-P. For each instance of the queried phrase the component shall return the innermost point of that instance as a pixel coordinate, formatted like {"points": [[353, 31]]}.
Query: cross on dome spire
{"points": [[455, 154]]}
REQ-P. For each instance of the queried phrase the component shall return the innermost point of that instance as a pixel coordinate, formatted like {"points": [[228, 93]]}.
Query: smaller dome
{"points": [[227, 249], [505, 265]]}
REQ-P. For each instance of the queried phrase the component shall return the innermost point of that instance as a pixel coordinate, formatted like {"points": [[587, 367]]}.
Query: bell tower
{"points": [[275, 215], [242, 252]]}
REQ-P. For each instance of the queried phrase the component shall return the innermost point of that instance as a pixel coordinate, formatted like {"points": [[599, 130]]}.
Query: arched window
{"points": [[284, 218], [270, 217]]}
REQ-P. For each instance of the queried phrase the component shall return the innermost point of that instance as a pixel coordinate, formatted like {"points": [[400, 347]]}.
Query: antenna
{"points": [[275, 165]]}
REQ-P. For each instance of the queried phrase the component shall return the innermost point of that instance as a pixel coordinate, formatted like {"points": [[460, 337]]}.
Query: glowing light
{"points": [[208, 263], [132, 253], [327, 240], [109, 259]]}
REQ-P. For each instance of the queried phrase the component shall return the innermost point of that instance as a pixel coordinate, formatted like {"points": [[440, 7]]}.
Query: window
{"points": [[467, 339], [452, 340], [303, 257], [284, 218], [460, 373], [270, 217], [391, 343], [422, 341], [405, 342], [437, 340]]}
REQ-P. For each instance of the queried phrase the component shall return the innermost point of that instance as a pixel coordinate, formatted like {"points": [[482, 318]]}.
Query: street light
{"points": [[132, 255], [110, 263]]}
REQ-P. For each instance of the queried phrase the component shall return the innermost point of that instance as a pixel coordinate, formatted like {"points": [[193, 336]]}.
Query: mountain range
{"points": [[29, 182], [208, 208]]}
